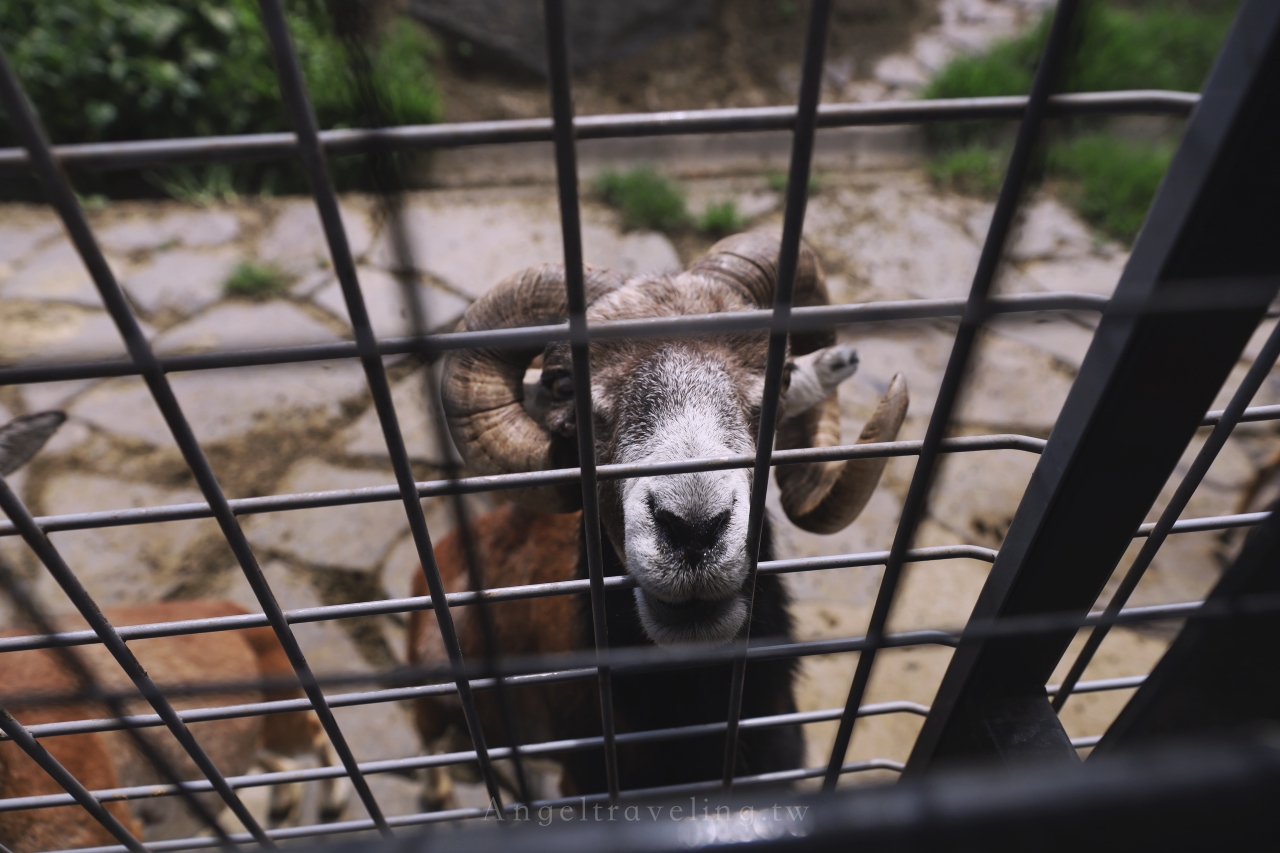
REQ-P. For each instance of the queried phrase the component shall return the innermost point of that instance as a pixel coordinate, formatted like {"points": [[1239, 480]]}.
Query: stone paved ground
{"points": [[883, 234]]}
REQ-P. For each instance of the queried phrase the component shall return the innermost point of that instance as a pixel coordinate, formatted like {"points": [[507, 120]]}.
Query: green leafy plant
{"points": [[721, 219], [255, 281], [100, 70], [199, 185], [646, 199], [1110, 181], [974, 169]]}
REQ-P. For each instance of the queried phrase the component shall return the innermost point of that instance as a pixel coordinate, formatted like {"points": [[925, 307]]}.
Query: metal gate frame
{"points": [[1200, 279]]}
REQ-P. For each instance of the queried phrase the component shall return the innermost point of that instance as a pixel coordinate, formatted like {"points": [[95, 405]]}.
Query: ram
{"points": [[681, 537], [109, 759]]}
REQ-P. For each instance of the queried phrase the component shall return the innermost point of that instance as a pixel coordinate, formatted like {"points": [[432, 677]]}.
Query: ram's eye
{"points": [[787, 370], [559, 383]]}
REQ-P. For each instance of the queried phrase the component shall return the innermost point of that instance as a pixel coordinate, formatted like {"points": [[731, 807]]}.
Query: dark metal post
{"points": [[1219, 674], [1201, 275], [1253, 380]]}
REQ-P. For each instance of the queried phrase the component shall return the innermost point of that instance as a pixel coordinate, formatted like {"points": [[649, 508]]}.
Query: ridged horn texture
{"points": [[483, 389], [749, 263], [821, 497], [825, 497]]}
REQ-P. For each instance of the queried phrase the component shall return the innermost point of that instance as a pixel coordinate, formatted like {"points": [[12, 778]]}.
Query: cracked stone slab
{"points": [[56, 274], [32, 331], [355, 537], [1089, 274], [224, 404], [246, 325], [295, 241], [1047, 230], [384, 300], [195, 229], [417, 426], [120, 565], [328, 648], [18, 241], [181, 280], [471, 247]]}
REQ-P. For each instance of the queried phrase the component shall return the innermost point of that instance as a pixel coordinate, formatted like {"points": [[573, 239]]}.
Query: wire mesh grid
{"points": [[464, 677]]}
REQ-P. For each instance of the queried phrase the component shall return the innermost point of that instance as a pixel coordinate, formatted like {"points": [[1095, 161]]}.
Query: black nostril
{"points": [[692, 538]]}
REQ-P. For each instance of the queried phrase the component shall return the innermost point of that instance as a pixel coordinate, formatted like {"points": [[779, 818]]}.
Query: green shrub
{"points": [[100, 70], [255, 281], [1112, 180], [1145, 45], [646, 199], [1153, 46], [721, 219], [974, 169]]}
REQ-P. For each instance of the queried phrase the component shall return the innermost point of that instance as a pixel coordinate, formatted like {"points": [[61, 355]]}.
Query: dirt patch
{"points": [[748, 56]]}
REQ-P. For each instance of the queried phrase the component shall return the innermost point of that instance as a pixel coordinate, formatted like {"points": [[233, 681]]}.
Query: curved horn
{"points": [[825, 497], [749, 262], [482, 389], [821, 497]]}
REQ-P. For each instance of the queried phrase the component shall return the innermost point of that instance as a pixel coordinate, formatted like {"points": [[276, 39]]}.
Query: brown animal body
{"points": [[110, 759], [681, 537]]}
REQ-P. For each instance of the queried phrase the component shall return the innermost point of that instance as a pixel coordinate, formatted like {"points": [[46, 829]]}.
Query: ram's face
{"points": [[683, 537]]}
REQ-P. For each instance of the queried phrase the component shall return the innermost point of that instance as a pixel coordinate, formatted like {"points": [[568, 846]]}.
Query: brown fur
{"points": [[190, 659], [515, 546]]}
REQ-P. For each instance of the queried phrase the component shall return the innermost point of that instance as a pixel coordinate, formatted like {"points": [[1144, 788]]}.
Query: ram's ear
{"points": [[22, 437]]}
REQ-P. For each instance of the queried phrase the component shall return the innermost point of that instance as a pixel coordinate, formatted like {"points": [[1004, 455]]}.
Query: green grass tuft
{"points": [[721, 220], [1152, 44], [778, 181], [255, 281], [646, 199], [975, 170], [1112, 181]]}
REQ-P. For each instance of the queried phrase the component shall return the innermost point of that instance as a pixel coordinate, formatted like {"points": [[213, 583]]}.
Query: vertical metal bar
{"points": [[788, 258], [293, 89], [351, 20], [63, 200], [1253, 380], [28, 129], [1052, 61], [69, 783], [571, 229]]}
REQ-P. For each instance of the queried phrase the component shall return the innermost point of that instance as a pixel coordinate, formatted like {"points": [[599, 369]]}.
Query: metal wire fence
{"points": [[463, 677]]}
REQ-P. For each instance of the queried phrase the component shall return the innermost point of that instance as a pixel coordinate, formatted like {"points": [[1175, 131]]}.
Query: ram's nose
{"points": [[690, 534]]}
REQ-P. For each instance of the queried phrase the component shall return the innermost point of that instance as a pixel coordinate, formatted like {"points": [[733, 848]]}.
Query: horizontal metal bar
{"points": [[150, 153], [534, 337], [401, 694], [516, 593], [1085, 742], [405, 605], [457, 599], [1102, 684], [402, 765], [642, 659], [1209, 522], [338, 828], [1252, 414], [473, 485]]}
